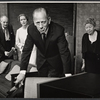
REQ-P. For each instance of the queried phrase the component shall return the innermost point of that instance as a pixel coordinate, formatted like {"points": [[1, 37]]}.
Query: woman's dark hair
{"points": [[22, 15], [90, 21]]}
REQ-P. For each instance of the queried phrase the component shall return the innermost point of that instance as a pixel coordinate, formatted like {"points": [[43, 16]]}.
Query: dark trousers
{"points": [[48, 71]]}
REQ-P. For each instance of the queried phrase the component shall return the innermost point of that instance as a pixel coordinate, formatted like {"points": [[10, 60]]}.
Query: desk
{"points": [[85, 85]]}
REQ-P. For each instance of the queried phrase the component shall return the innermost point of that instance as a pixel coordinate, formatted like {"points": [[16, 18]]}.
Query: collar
{"points": [[4, 28], [46, 31]]}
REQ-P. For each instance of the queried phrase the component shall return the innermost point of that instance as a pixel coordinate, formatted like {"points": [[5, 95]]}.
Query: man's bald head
{"points": [[42, 10], [41, 19], [4, 21]]}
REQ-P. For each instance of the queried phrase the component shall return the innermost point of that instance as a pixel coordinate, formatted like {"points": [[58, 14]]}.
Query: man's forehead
{"points": [[39, 19], [4, 19], [40, 14]]}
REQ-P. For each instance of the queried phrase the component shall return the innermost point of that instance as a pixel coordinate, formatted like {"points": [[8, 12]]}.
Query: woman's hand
{"points": [[83, 65]]}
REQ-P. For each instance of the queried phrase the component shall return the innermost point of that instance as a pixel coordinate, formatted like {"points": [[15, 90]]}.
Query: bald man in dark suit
{"points": [[53, 55]]}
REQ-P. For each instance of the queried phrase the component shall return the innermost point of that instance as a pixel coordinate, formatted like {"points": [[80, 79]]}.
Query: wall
{"points": [[84, 11], [3, 9], [60, 13]]}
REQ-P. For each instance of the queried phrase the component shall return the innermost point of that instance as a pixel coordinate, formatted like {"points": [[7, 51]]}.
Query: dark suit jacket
{"points": [[3, 41], [56, 51]]}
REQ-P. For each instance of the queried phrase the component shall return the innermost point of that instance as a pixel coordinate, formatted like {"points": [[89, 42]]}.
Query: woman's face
{"points": [[23, 20], [89, 29]]}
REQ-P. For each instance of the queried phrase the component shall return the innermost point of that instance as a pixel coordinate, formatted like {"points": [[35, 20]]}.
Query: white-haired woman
{"points": [[91, 47]]}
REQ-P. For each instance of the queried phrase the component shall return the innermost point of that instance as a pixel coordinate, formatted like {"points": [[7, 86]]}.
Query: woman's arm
{"points": [[18, 43], [83, 64]]}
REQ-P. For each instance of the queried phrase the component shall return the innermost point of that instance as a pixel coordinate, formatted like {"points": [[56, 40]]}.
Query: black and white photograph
{"points": [[49, 49]]}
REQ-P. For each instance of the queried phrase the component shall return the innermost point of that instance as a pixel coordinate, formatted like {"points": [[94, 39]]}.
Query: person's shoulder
{"points": [[31, 26], [0, 27], [57, 25], [85, 34], [98, 31], [10, 25], [19, 29]]}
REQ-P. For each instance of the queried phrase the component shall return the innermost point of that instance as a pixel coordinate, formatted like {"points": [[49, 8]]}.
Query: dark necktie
{"points": [[44, 38], [6, 34]]}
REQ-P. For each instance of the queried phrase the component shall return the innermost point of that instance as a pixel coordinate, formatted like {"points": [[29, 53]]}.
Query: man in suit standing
{"points": [[7, 39], [53, 55]]}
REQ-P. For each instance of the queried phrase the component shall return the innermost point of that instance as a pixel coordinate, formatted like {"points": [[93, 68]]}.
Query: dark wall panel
{"points": [[60, 13]]}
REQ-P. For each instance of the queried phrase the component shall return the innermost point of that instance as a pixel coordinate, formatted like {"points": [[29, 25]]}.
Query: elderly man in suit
{"points": [[53, 55], [7, 39]]}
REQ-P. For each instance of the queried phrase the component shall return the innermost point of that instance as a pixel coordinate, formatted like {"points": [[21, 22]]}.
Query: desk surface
{"points": [[85, 83]]}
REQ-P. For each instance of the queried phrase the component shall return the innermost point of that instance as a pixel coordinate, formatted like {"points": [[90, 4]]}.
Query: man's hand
{"points": [[67, 75], [6, 53], [13, 48], [19, 78]]}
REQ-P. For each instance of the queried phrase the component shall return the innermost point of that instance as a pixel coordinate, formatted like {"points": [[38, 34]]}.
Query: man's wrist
{"points": [[23, 72]]}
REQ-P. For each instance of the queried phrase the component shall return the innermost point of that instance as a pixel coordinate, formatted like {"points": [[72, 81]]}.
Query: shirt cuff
{"points": [[23, 72], [67, 75]]}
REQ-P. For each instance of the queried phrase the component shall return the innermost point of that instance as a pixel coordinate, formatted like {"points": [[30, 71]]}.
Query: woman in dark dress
{"points": [[91, 48]]}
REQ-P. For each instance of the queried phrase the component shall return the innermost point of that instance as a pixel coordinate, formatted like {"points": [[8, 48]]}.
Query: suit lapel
{"points": [[49, 35], [39, 40], [2, 35]]}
